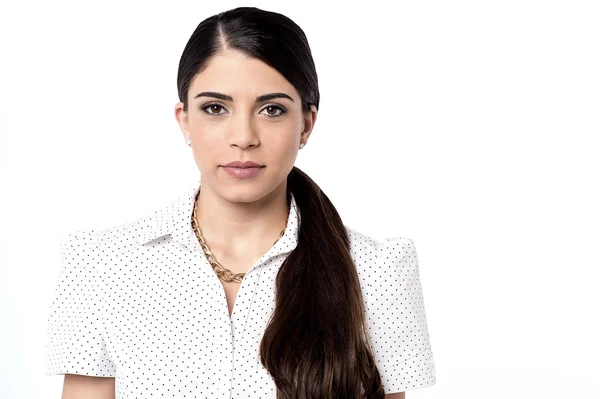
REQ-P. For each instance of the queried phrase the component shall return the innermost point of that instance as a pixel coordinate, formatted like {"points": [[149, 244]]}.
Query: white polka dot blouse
{"points": [[140, 302]]}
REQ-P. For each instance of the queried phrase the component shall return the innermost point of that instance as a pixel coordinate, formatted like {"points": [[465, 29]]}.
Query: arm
{"points": [[86, 387], [398, 395]]}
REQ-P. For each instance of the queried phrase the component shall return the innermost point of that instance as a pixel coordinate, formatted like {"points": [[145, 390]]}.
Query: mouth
{"points": [[242, 167], [243, 172], [242, 164]]}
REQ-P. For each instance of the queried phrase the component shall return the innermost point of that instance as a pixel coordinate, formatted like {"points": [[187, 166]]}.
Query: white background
{"points": [[471, 127]]}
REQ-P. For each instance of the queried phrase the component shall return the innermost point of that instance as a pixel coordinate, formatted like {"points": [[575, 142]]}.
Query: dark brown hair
{"points": [[316, 344]]}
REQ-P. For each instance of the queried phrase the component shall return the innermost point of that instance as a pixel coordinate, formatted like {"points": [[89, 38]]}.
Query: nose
{"points": [[243, 133]]}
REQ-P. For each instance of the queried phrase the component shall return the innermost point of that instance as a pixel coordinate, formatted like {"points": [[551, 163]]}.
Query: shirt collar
{"points": [[175, 219]]}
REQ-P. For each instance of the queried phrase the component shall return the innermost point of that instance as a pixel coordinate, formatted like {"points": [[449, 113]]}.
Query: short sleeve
{"points": [[74, 335], [397, 326]]}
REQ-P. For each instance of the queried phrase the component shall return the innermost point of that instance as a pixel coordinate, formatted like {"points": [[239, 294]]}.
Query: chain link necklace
{"points": [[223, 273]]}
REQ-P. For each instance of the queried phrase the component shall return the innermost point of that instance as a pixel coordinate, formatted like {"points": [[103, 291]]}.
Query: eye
{"points": [[273, 107], [273, 111], [212, 107]]}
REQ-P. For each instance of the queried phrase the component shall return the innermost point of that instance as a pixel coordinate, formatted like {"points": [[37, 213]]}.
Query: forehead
{"points": [[233, 72]]}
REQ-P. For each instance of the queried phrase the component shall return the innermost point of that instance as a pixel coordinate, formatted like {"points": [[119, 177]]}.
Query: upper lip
{"points": [[239, 164]]}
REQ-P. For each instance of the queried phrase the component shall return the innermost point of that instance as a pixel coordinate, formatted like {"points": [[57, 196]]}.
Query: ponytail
{"points": [[315, 345]]}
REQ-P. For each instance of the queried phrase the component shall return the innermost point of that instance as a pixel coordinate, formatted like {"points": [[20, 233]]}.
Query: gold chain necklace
{"points": [[223, 273]]}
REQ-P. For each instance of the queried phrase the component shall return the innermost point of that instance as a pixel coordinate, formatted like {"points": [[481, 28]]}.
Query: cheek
{"points": [[206, 133], [206, 140], [285, 152], [285, 132], [282, 143]]}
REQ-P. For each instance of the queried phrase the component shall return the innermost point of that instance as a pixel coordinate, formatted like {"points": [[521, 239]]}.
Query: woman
{"points": [[248, 285]]}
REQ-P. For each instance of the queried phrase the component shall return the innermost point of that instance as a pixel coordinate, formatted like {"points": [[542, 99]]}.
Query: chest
{"points": [[231, 291], [168, 316]]}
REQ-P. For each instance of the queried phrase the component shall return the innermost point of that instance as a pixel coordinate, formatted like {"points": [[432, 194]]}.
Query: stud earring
{"points": [[189, 141], [301, 145]]}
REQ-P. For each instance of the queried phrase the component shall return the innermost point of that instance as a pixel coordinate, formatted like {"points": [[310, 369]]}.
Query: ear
{"points": [[182, 119], [309, 120]]}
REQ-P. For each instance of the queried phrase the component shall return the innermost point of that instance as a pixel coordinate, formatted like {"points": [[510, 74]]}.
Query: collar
{"points": [[175, 219]]}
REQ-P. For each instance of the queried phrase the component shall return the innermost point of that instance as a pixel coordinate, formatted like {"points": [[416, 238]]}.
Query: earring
{"points": [[189, 141], [301, 145]]}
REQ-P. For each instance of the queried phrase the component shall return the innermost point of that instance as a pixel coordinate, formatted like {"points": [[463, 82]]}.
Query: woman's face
{"points": [[240, 128]]}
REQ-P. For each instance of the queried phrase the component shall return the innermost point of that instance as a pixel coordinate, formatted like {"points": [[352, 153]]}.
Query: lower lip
{"points": [[242, 173]]}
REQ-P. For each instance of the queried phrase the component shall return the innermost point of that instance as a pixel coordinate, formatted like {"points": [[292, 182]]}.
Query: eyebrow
{"points": [[259, 99]]}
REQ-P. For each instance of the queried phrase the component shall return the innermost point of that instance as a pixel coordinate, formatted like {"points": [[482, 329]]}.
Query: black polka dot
{"points": [[140, 302]]}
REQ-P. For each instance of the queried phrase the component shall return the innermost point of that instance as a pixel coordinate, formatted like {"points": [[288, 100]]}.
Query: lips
{"points": [[243, 165], [243, 172]]}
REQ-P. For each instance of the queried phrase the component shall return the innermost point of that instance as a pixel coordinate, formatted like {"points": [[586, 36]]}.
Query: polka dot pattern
{"points": [[395, 311], [140, 302]]}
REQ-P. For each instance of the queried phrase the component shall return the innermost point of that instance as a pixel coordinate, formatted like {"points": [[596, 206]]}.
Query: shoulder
{"points": [[118, 237], [124, 235], [378, 258], [365, 246]]}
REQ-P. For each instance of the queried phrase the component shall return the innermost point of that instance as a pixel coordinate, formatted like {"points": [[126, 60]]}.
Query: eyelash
{"points": [[283, 110]]}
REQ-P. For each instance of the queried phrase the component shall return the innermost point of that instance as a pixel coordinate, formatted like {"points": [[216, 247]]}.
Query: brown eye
{"points": [[213, 107], [272, 111]]}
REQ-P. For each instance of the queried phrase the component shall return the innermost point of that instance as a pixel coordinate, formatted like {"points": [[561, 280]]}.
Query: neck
{"points": [[241, 230]]}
